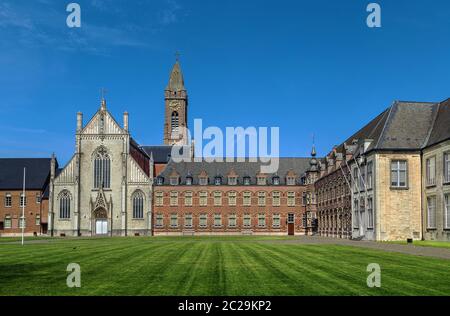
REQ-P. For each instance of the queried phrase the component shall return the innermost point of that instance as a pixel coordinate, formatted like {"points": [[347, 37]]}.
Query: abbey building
{"points": [[388, 181]]}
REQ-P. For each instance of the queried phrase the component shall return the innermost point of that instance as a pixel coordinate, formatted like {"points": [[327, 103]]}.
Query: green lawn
{"points": [[213, 266]]}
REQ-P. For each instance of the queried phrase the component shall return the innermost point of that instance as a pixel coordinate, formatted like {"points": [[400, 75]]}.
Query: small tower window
{"points": [[175, 122]]}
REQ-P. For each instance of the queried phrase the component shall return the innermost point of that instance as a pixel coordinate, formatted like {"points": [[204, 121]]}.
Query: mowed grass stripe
{"points": [[213, 266]]}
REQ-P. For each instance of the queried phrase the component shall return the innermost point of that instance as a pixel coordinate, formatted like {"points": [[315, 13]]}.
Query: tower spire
{"points": [[176, 80]]}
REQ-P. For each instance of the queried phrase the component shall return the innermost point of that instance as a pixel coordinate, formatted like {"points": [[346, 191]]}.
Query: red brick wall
{"points": [[32, 209], [254, 210]]}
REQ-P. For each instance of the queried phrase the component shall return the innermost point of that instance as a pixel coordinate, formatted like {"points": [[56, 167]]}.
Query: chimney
{"points": [[125, 121], [79, 122]]}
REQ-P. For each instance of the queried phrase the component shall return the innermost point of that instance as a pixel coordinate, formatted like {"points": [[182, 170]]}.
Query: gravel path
{"points": [[435, 252]]}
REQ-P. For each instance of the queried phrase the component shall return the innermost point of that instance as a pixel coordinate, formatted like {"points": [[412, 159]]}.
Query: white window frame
{"points": [[261, 220], [247, 221], [276, 198], [203, 221], [188, 196], [8, 200], [174, 220], [159, 220], [232, 220], [232, 198], [447, 210], [446, 159], [159, 198], [431, 212], [188, 220], [430, 167], [217, 220], [276, 221], [396, 167]]}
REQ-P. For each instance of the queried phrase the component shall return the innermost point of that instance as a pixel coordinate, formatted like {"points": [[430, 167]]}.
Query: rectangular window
{"points": [[276, 199], [362, 180], [247, 198], [22, 222], [174, 180], [38, 198], [159, 220], [232, 180], [247, 221], [369, 182], [276, 220], [8, 223], [261, 180], [431, 212], [355, 180], [291, 198], [261, 220], [447, 168], [399, 174], [188, 220], [23, 200], [431, 171], [290, 181], [159, 198], [203, 221], [261, 198], [217, 198], [232, 198], [370, 213], [232, 220], [217, 220], [174, 220], [447, 211], [203, 181], [203, 201], [188, 198], [356, 213], [291, 218], [8, 200], [173, 198], [38, 220]]}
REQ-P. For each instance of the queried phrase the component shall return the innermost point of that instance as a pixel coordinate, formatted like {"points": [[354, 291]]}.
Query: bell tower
{"points": [[176, 104]]}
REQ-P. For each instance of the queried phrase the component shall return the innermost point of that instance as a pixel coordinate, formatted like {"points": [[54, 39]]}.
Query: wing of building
{"points": [[375, 177], [35, 200]]}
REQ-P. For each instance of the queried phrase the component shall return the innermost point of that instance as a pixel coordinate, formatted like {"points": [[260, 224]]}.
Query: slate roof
{"points": [[11, 173], [407, 126], [251, 169], [441, 126], [161, 154]]}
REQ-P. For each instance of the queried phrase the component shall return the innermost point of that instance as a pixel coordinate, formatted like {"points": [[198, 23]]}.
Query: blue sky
{"points": [[305, 66]]}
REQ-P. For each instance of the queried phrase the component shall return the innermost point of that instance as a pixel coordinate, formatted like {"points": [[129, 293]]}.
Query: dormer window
{"points": [[160, 181], [218, 181], [174, 180], [276, 180], [290, 180], [232, 180], [203, 181], [188, 180], [261, 180], [246, 180]]}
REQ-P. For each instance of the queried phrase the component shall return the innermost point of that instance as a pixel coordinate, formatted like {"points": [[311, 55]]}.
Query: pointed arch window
{"points": [[138, 205], [64, 205], [102, 170], [175, 122]]}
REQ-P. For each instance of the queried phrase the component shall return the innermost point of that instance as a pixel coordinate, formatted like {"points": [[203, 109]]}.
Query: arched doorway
{"points": [[100, 222]]}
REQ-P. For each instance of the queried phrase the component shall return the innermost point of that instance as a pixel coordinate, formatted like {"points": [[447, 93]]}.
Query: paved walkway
{"points": [[435, 252]]}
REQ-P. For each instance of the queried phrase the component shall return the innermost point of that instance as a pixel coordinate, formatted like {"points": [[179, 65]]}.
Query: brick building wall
{"points": [[167, 209], [36, 213]]}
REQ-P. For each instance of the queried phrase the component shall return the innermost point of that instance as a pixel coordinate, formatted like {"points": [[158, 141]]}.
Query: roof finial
{"points": [[177, 56], [313, 151], [103, 92]]}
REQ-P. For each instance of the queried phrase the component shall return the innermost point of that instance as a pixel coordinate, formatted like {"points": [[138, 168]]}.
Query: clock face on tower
{"points": [[175, 105]]}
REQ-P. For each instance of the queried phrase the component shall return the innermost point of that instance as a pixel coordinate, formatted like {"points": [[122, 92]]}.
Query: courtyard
{"points": [[202, 266]]}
